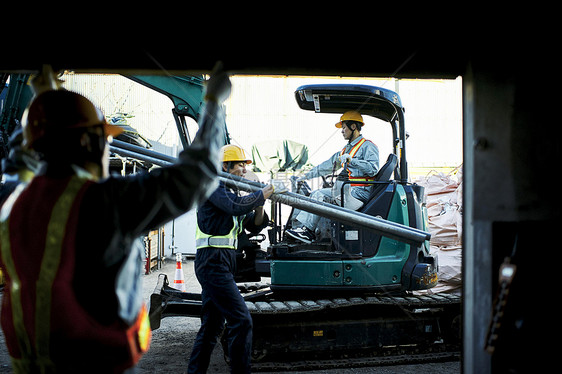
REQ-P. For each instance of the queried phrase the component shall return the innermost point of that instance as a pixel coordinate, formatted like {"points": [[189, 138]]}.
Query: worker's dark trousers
{"points": [[214, 268]]}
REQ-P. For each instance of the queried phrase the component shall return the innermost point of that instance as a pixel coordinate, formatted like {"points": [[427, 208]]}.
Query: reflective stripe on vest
{"points": [[229, 240], [139, 335], [23, 340], [48, 271], [35, 355], [352, 153], [360, 179]]}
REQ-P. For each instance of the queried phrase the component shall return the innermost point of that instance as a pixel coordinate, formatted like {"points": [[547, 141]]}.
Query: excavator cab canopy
{"points": [[374, 101], [377, 102]]}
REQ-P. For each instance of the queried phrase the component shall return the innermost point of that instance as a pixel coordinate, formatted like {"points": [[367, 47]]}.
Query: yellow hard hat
{"points": [[350, 116], [231, 152]]}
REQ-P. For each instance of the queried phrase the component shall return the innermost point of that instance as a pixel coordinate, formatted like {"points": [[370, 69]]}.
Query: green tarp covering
{"points": [[279, 155]]}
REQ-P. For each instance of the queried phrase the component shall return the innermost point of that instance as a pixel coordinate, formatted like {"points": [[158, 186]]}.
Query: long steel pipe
{"points": [[131, 150], [383, 227]]}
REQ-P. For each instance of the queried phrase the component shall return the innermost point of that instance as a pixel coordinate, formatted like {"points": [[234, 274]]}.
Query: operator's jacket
{"points": [[364, 165], [71, 249], [216, 217]]}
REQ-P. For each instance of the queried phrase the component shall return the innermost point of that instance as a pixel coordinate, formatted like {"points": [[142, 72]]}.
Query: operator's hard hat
{"points": [[351, 115], [231, 152], [52, 112]]}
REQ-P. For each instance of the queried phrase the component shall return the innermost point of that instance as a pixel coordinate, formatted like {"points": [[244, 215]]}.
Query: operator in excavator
{"points": [[72, 302], [360, 162], [220, 221]]}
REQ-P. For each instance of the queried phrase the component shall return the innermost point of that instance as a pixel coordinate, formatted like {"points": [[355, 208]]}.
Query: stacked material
{"points": [[444, 209]]}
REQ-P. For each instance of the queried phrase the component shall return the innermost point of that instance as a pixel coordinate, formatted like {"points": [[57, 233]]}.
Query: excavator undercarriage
{"points": [[334, 330]]}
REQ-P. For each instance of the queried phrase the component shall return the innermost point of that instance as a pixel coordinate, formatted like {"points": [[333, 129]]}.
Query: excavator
{"points": [[359, 294]]}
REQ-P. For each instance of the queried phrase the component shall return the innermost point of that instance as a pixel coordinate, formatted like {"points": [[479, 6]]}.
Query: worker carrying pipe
{"points": [[71, 224], [221, 221]]}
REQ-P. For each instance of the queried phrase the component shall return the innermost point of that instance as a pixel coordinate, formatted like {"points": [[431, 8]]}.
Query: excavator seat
{"points": [[381, 178], [377, 206], [379, 183], [386, 171]]}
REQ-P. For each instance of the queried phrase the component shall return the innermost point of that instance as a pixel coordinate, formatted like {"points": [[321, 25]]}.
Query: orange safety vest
{"points": [[40, 309], [352, 153]]}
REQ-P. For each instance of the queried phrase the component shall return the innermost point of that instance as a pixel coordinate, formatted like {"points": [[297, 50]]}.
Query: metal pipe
{"points": [[147, 152], [302, 197], [139, 156], [383, 227]]}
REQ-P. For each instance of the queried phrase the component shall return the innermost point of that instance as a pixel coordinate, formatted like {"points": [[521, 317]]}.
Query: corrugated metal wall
{"points": [[150, 112], [151, 116]]}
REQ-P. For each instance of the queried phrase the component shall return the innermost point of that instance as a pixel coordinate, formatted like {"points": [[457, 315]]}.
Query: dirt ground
{"points": [[172, 342]]}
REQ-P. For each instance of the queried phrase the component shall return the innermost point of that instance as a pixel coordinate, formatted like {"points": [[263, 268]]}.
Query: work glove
{"points": [[345, 158], [294, 179], [218, 87], [210, 135]]}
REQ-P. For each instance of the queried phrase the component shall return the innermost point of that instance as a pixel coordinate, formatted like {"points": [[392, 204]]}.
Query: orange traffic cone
{"points": [[178, 281]]}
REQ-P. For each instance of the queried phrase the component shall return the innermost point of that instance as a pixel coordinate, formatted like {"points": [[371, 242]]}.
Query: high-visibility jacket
{"points": [[352, 153], [364, 151], [223, 217], [229, 240], [46, 328]]}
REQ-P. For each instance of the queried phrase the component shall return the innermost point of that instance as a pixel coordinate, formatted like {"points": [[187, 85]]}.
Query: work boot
{"points": [[304, 234]]}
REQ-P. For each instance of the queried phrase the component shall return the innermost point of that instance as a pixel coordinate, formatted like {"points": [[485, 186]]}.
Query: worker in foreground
{"points": [[72, 302], [220, 220], [360, 162]]}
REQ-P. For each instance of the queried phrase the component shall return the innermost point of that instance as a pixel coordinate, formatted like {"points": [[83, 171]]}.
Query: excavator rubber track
{"points": [[328, 332]]}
